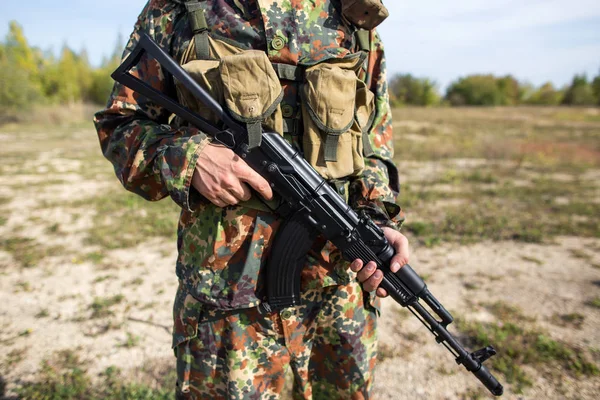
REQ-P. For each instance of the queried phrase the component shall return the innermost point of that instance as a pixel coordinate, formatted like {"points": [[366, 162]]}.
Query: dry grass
{"points": [[526, 174], [469, 174]]}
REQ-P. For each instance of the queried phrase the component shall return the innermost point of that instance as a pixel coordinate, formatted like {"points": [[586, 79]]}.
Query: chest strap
{"points": [[289, 72], [199, 27], [363, 39]]}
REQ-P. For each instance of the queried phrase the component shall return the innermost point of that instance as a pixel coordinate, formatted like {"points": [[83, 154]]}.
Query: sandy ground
{"points": [[47, 307]]}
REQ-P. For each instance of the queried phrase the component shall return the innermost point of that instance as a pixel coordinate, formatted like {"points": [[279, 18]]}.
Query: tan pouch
{"points": [[332, 139], [252, 92], [365, 14], [206, 73]]}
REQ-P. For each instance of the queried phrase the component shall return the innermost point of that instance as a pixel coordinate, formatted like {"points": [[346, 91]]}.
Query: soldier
{"points": [[313, 71]]}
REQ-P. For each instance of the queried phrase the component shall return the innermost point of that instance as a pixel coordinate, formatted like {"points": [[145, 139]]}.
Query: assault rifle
{"points": [[308, 206]]}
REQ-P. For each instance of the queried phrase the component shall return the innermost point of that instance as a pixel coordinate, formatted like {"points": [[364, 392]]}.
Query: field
{"points": [[502, 213]]}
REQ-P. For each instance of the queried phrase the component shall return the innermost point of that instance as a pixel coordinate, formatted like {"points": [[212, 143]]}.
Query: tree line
{"points": [[490, 90], [30, 76]]}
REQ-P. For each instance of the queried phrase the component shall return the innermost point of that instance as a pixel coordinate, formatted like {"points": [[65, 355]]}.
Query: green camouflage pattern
{"points": [[329, 342], [222, 251]]}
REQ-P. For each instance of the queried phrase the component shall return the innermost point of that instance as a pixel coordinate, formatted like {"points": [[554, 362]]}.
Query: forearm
{"points": [[150, 157]]}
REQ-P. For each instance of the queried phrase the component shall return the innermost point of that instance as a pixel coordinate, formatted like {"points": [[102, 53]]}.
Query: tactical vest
{"points": [[336, 108]]}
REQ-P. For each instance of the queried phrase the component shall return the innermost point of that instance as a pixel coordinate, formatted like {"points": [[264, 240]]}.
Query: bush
{"points": [[546, 95], [406, 89], [474, 90], [580, 93], [596, 88]]}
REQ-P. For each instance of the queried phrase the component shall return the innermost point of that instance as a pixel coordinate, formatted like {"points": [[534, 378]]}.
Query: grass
{"points": [[572, 320], [523, 176], [101, 306], [595, 302], [94, 257], [131, 340], [519, 346], [125, 220], [103, 278], [15, 357], [64, 377], [43, 313], [534, 260], [26, 251], [23, 286], [135, 282]]}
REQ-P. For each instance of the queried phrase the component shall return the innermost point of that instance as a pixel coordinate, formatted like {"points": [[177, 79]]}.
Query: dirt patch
{"points": [[65, 289]]}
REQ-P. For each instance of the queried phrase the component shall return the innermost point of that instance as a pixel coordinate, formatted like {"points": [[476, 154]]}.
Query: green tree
{"points": [[510, 91], [24, 57], [407, 89], [546, 95], [20, 78], [474, 90], [579, 93], [596, 88]]}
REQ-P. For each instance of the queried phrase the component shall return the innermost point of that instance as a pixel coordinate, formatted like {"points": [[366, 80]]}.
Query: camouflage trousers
{"points": [[329, 342]]}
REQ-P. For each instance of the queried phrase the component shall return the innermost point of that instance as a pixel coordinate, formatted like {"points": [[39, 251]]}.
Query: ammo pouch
{"points": [[337, 109], [252, 92], [242, 81], [365, 14]]}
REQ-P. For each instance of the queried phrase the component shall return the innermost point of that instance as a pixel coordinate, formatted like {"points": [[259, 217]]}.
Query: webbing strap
{"points": [[291, 126], [254, 134], [367, 148], [331, 145], [289, 72], [363, 39], [199, 28]]}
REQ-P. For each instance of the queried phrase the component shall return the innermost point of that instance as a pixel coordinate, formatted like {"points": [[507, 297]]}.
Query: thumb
{"points": [[401, 248]]}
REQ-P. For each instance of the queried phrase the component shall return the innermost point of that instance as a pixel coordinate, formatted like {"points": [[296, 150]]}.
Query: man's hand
{"points": [[223, 177], [369, 276]]}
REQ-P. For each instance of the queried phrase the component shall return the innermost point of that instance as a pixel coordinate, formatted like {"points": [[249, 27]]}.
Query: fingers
{"points": [[369, 276], [236, 191], [247, 174], [227, 198]]}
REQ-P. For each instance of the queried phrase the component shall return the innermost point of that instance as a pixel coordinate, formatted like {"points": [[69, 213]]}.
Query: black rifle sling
{"points": [[292, 243]]}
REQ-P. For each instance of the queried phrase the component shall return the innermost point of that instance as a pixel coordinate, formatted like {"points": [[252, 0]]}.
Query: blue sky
{"points": [[535, 40]]}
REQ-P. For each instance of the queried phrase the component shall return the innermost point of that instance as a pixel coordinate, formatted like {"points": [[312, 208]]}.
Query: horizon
{"points": [[537, 42]]}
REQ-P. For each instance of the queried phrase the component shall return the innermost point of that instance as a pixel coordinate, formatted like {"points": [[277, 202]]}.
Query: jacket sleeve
{"points": [[149, 157], [377, 189]]}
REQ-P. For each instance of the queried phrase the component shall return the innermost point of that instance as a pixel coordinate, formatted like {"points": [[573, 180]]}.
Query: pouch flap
{"points": [[206, 74], [329, 94], [365, 14], [251, 87]]}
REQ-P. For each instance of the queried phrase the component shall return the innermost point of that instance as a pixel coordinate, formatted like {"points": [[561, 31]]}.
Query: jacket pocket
{"points": [[187, 312]]}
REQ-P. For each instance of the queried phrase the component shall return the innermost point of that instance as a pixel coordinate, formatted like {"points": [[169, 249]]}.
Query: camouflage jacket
{"points": [[222, 250]]}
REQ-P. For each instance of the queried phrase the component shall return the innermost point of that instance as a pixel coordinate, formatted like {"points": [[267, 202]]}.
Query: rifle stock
{"points": [[309, 206]]}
